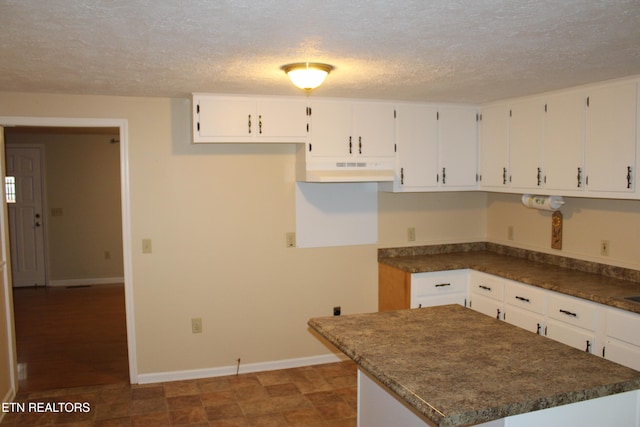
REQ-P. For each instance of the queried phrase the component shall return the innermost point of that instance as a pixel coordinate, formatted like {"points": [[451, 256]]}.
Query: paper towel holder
{"points": [[546, 203]]}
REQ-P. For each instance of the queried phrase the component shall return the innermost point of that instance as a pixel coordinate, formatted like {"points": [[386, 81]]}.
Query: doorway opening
{"points": [[82, 249]]}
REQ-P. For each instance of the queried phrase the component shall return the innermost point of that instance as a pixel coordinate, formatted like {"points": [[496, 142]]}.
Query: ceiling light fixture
{"points": [[307, 75]]}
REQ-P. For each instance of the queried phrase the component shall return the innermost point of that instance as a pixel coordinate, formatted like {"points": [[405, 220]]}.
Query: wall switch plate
{"points": [[146, 246], [291, 239], [196, 325]]}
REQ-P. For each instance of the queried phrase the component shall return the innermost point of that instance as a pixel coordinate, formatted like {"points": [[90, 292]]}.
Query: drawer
{"points": [[444, 299], [524, 296], [438, 283], [487, 285], [623, 326], [572, 311]]}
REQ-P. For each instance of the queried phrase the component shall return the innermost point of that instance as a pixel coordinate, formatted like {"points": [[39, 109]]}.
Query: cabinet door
{"points": [[417, 142], [494, 146], [525, 319], [525, 144], [225, 117], [280, 118], [373, 130], [330, 128], [564, 122], [622, 353], [565, 333], [610, 138], [485, 305], [458, 144]]}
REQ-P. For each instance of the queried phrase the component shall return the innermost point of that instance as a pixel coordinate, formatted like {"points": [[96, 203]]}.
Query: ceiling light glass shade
{"points": [[307, 75]]}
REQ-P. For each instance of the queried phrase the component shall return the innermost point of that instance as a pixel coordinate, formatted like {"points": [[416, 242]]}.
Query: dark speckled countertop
{"points": [[457, 367], [594, 282]]}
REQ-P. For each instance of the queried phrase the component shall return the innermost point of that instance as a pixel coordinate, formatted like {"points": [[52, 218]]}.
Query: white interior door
{"points": [[26, 217]]}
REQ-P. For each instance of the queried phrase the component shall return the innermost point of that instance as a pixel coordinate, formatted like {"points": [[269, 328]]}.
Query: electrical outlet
{"points": [[605, 247], [196, 325], [291, 239], [411, 234], [510, 232]]}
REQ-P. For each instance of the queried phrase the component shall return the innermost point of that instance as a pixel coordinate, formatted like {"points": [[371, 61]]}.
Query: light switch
{"points": [[146, 246]]}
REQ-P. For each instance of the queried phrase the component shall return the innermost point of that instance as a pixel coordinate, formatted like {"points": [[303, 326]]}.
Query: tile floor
{"points": [[320, 395]]}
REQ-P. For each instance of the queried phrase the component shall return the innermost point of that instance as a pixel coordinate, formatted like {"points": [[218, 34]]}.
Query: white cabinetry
{"points": [[571, 321], [525, 144], [564, 124], [524, 306], [486, 294], [622, 338], [494, 146], [238, 119], [439, 288], [437, 148], [611, 138]]}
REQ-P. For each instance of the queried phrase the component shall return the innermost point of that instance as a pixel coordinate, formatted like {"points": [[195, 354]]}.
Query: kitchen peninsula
{"points": [[451, 366]]}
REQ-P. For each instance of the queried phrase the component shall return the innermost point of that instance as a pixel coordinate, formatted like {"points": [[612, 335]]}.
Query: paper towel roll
{"points": [[546, 203]]}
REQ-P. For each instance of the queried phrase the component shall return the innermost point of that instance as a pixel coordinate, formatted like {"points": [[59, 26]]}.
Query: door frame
{"points": [[122, 124]]}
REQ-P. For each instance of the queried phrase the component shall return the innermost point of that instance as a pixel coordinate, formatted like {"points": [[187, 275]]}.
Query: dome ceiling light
{"points": [[307, 75]]}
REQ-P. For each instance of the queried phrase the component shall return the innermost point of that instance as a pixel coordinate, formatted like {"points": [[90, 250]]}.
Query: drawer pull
{"points": [[568, 313], [523, 299], [486, 288], [588, 349], [439, 285]]}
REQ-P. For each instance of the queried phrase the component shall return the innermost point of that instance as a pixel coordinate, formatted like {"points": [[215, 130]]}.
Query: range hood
{"points": [[310, 169]]}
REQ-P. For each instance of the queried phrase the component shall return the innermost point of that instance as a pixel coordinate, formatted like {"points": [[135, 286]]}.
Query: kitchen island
{"points": [[450, 366]]}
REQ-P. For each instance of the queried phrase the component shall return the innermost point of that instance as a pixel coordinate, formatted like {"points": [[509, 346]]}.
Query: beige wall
{"points": [[83, 181], [586, 223], [217, 216]]}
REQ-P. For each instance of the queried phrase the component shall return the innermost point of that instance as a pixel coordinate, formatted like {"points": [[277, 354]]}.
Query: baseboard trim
{"points": [[85, 282], [8, 398], [244, 369]]}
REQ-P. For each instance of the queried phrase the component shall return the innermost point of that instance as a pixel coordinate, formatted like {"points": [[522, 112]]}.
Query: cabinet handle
{"points": [[260, 124], [486, 288], [579, 177], [539, 176], [523, 299], [603, 351], [498, 315], [350, 146], [401, 176], [419, 305], [568, 313], [538, 330], [588, 349], [439, 285], [444, 175], [628, 176], [359, 145], [249, 123], [504, 176]]}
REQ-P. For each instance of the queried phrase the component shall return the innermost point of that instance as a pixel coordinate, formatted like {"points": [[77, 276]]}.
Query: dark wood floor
{"points": [[70, 337]]}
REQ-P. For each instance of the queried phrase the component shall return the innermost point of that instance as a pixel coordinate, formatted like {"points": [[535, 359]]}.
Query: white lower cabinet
{"points": [[622, 338], [571, 321], [439, 288], [486, 294]]}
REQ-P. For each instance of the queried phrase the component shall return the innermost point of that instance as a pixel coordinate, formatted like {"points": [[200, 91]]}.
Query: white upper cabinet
{"points": [[564, 124], [237, 119], [352, 130], [417, 142], [437, 148], [494, 146], [611, 138], [458, 144], [525, 144]]}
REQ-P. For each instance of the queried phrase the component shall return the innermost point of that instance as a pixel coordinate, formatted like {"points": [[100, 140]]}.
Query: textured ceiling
{"points": [[432, 50]]}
